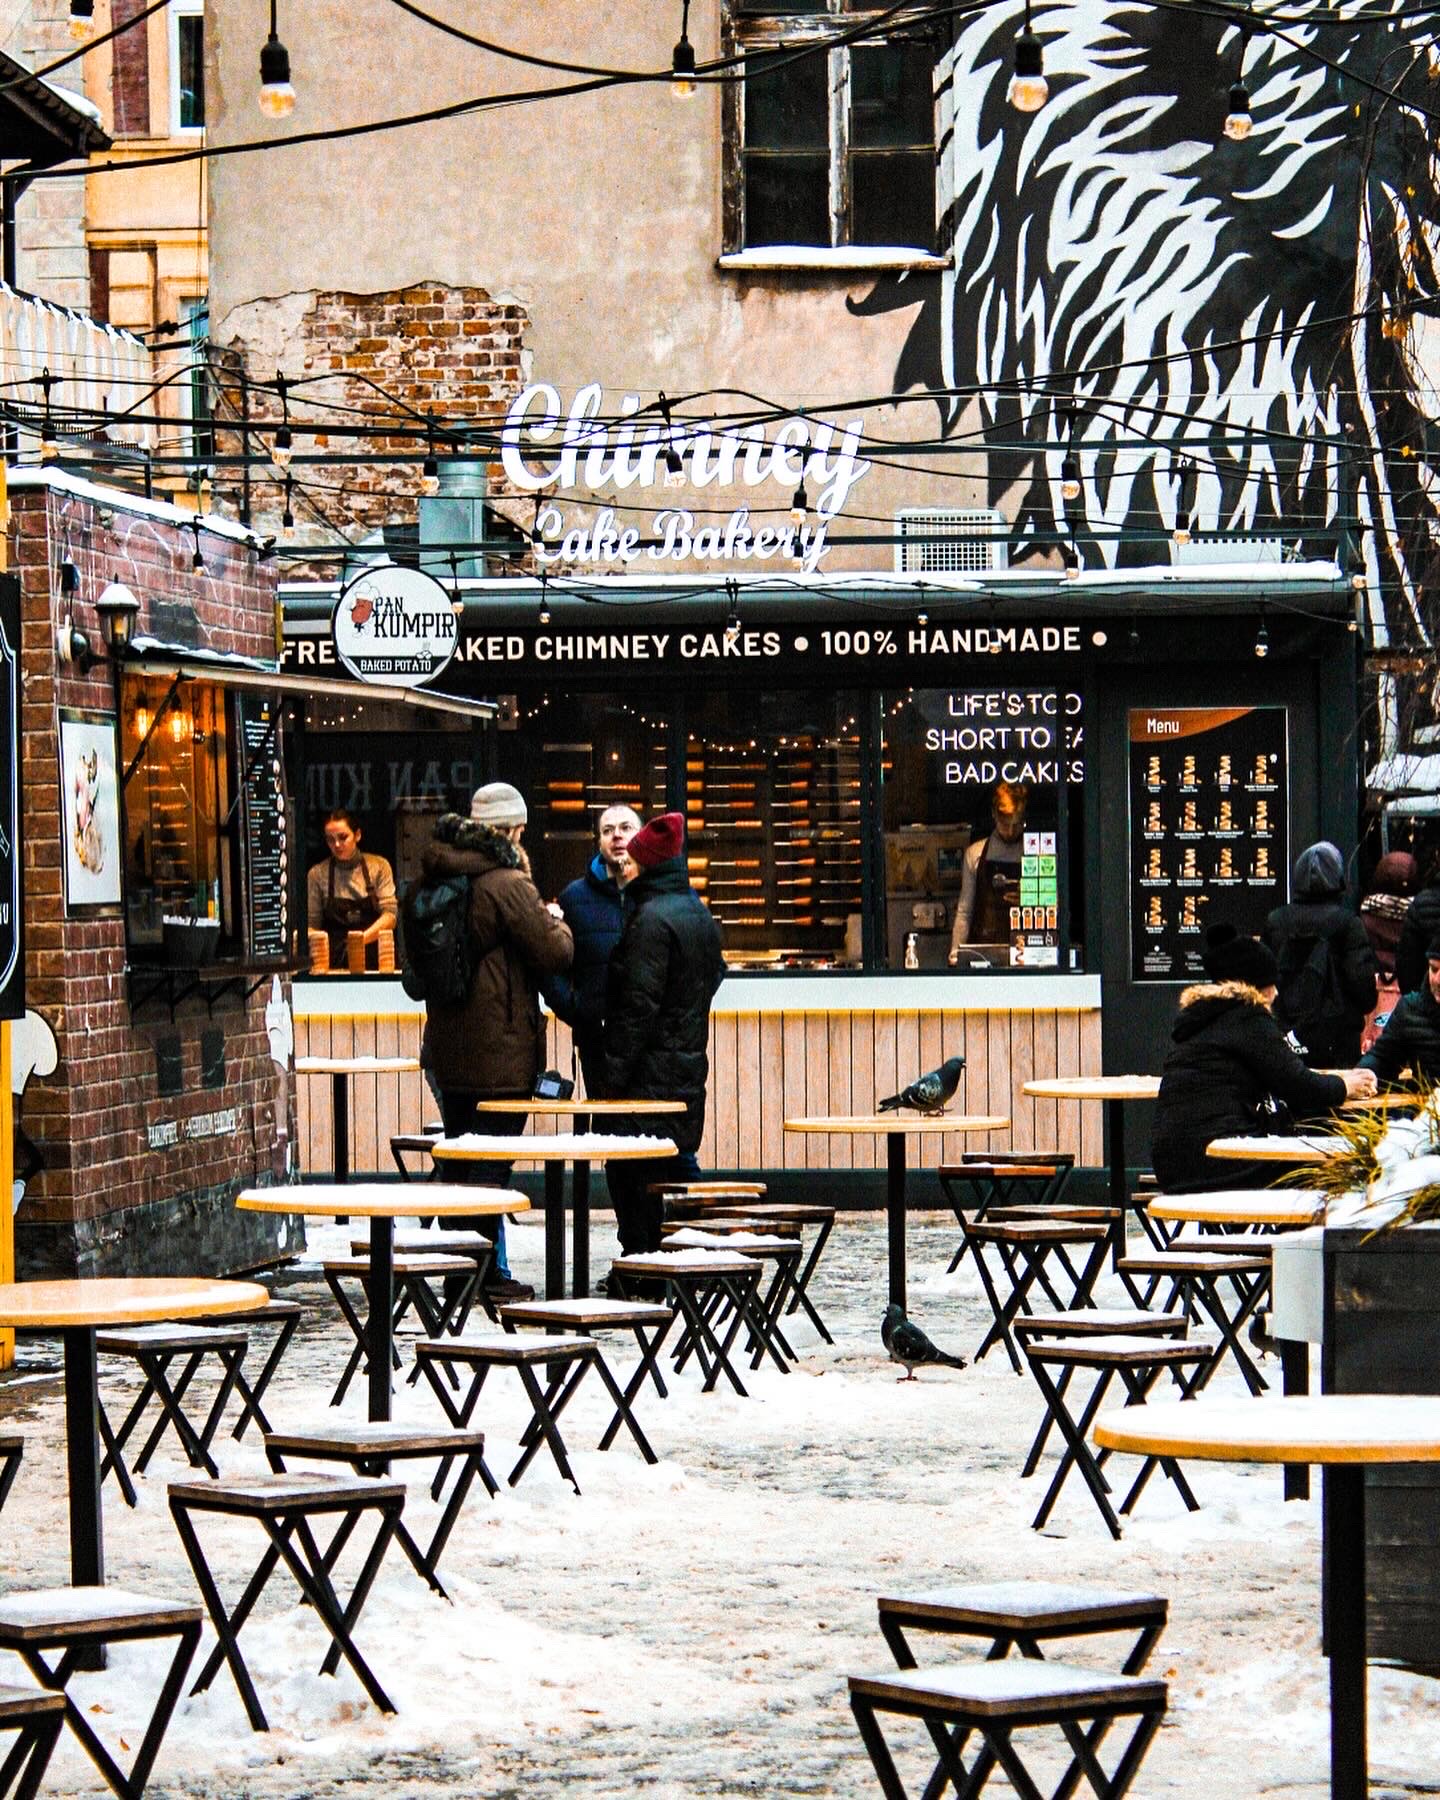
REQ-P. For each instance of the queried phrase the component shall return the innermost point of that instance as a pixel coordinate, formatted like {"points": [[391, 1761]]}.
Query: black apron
{"points": [[997, 889], [344, 914]]}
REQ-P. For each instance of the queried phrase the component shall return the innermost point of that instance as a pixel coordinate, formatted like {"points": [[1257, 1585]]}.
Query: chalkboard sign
{"points": [[1208, 830], [263, 813], [12, 943]]}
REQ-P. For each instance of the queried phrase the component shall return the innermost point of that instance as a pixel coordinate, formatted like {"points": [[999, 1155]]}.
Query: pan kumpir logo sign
{"points": [[543, 445], [394, 627]]}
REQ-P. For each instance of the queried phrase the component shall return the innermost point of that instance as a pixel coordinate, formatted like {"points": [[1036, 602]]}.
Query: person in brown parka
{"points": [[492, 1045]]}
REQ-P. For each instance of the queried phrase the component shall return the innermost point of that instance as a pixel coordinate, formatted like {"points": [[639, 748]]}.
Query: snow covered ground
{"points": [[687, 1629]]}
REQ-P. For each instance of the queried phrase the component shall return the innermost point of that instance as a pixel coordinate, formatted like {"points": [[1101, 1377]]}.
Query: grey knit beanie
{"points": [[497, 803]]}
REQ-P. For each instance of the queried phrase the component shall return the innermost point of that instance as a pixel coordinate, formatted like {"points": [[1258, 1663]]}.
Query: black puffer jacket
{"points": [[1410, 1040], [495, 1042], [1228, 1055], [662, 977], [1419, 931], [1319, 911]]}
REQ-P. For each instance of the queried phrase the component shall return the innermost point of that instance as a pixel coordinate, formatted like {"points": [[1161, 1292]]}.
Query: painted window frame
{"points": [[178, 10], [742, 31]]}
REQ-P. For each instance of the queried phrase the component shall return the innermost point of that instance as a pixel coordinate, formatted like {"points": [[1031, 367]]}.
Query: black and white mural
{"points": [[1265, 307]]}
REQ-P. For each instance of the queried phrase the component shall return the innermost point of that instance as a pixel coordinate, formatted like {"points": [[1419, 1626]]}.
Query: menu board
{"points": [[263, 823], [1208, 827]]}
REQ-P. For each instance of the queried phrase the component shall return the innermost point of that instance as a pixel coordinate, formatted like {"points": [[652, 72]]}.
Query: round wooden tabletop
{"points": [[579, 1146], [1314, 1428], [1093, 1087], [1388, 1101], [123, 1300], [567, 1108], [1312, 1148], [384, 1200], [1241, 1206], [356, 1065], [883, 1124]]}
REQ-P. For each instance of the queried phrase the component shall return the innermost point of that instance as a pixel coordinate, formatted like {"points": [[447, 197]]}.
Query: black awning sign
{"points": [[12, 962]]}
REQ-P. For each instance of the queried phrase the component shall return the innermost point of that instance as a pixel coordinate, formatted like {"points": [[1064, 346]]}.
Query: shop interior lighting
{"points": [[82, 19], [1238, 120], [683, 85], [282, 447], [1028, 90], [1262, 636], [799, 505], [277, 94]]}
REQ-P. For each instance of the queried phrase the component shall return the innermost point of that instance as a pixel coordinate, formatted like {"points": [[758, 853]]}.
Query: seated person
{"points": [[990, 879], [351, 890], [1411, 1038], [1229, 1058]]}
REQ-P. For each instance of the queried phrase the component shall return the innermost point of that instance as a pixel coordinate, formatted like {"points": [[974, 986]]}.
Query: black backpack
{"points": [[440, 954], [1309, 999]]}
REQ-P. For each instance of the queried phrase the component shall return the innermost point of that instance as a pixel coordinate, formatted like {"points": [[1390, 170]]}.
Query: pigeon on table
{"points": [[932, 1092], [909, 1346]]}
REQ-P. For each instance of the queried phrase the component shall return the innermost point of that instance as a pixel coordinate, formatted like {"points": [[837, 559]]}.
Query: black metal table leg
{"points": [[82, 1456], [895, 1212], [554, 1229], [380, 1326], [339, 1128], [1295, 1379], [1343, 1514], [580, 1230], [1116, 1111]]}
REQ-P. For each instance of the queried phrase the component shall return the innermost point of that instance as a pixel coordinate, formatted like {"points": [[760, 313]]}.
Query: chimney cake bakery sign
{"points": [[811, 465]]}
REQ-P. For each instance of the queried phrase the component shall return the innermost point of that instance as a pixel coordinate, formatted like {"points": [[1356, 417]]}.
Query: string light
{"points": [[543, 618], [277, 93], [1262, 636], [49, 449], [799, 505], [197, 560], [674, 468], [1028, 90], [430, 468], [1238, 121], [1070, 462], [683, 85], [287, 518], [1185, 505]]}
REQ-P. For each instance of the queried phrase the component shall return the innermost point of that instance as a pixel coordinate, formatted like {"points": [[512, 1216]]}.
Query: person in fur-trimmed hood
{"points": [[492, 1046], [1229, 1057]]}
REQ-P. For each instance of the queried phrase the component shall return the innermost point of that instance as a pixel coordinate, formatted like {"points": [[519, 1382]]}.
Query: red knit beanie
{"points": [[659, 841]]}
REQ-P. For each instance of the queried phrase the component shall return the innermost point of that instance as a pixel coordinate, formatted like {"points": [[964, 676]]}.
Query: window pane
{"points": [[971, 808], [787, 200], [191, 45], [892, 198], [891, 96], [788, 108]]}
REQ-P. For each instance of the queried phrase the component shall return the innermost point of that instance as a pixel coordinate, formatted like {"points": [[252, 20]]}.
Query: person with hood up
{"points": [[1382, 913], [1326, 979], [1418, 930], [1228, 1062], [1411, 1038], [492, 1045], [591, 907], [662, 977]]}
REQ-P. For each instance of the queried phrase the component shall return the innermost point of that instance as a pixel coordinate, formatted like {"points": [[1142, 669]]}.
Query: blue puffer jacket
{"points": [[592, 910]]}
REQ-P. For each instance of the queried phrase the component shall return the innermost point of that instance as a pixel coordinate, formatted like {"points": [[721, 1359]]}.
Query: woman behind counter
{"points": [[350, 891], [1229, 1057]]}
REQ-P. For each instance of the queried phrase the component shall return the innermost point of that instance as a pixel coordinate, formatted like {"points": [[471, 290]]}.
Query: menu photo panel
{"points": [[1209, 804]]}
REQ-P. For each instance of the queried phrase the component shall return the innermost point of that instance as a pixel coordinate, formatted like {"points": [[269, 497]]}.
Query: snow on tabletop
{"points": [[732, 1240], [579, 1144], [1015, 1678], [684, 1632]]}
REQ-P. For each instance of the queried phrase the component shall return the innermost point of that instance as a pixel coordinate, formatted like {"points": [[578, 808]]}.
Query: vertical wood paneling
{"points": [[1067, 1059], [863, 1150], [748, 1152], [797, 1143], [1092, 1139], [885, 1068], [817, 1090], [722, 1109], [930, 1054], [1022, 1069], [773, 1136], [838, 1039], [977, 1069], [997, 1027]]}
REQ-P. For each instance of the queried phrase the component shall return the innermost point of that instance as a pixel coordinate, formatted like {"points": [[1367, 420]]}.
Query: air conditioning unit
{"points": [[1217, 549], [942, 540]]}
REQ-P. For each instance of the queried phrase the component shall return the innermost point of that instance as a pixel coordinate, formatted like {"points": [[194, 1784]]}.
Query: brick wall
{"points": [[105, 1201], [455, 350]]}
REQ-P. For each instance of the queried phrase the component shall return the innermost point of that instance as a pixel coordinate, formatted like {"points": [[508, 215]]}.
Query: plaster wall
{"points": [[50, 237]]}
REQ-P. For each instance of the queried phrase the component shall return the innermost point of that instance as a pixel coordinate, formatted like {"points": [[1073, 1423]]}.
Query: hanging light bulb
{"points": [[82, 19], [1238, 121], [732, 622], [282, 448], [1185, 503], [800, 505], [1262, 637], [197, 560], [287, 518], [1071, 559], [683, 85], [277, 95], [543, 618], [1028, 90], [1070, 476], [674, 468], [430, 476]]}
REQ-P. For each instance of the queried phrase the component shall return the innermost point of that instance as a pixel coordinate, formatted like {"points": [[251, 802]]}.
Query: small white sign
{"points": [[394, 627]]}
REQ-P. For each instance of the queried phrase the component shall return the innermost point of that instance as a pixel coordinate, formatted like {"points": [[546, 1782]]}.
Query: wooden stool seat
{"points": [[567, 1359], [36, 1719], [74, 1620], [641, 1317], [285, 1507], [798, 1214], [1195, 1279], [1029, 1252], [1100, 1321], [411, 1143], [1229, 1243], [411, 1263], [701, 1282], [439, 1313], [430, 1243], [765, 1245], [981, 1180], [711, 1228], [701, 1190], [1022, 1615], [370, 1447], [154, 1348], [286, 1316], [999, 1699]]}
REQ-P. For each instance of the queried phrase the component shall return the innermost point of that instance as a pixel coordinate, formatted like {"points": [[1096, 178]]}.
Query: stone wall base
{"points": [[190, 1234]]}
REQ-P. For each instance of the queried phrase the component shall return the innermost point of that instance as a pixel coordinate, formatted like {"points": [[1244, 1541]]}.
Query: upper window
{"points": [[832, 132], [187, 65]]}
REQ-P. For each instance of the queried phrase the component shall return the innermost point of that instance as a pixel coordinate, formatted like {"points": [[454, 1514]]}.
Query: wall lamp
{"points": [[118, 610]]}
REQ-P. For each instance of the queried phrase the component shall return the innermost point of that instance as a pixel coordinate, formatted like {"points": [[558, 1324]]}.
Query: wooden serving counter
{"points": [[780, 1045]]}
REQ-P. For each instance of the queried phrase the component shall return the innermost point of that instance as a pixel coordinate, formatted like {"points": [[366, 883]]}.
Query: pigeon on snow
{"points": [[909, 1346], [932, 1092]]}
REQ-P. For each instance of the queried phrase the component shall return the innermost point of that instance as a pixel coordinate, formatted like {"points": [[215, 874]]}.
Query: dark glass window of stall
{"points": [[978, 873]]}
